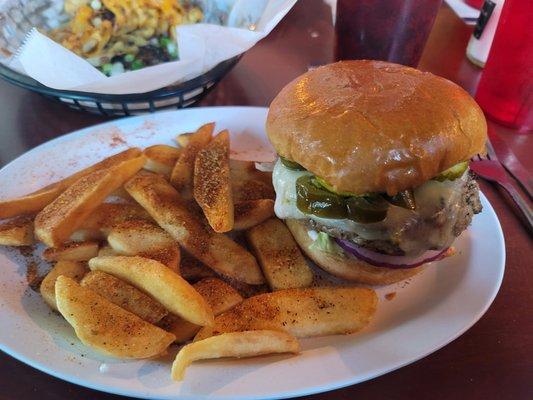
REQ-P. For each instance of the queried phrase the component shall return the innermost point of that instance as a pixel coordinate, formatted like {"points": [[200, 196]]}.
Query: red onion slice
{"points": [[388, 261]]}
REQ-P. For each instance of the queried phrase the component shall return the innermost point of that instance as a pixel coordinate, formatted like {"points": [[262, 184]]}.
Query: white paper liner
{"points": [[201, 46]]}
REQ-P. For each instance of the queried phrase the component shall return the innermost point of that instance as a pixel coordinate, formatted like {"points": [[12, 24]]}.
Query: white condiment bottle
{"points": [[481, 39]]}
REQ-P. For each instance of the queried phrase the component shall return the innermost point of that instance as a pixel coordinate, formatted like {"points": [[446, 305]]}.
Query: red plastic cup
{"points": [[388, 30], [505, 91]]}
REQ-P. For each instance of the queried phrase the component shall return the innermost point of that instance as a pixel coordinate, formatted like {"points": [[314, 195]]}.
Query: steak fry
{"points": [[215, 250], [212, 187]]}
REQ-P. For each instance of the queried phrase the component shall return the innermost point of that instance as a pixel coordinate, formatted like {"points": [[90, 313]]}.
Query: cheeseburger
{"points": [[372, 176]]}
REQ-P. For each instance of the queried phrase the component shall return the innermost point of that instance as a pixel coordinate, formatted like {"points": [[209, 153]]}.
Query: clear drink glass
{"points": [[505, 91], [388, 30]]}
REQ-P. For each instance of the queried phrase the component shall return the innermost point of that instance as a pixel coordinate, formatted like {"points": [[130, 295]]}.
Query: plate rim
{"points": [[288, 394], [80, 132]]}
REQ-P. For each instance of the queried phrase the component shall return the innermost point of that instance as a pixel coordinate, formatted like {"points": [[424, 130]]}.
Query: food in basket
{"points": [[117, 36]]}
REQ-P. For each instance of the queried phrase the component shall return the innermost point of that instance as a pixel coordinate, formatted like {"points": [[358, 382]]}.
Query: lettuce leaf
{"points": [[325, 243]]}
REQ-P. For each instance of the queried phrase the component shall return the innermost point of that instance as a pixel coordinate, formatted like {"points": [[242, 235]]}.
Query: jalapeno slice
{"points": [[328, 187], [404, 199], [452, 173], [367, 209], [311, 198], [291, 164]]}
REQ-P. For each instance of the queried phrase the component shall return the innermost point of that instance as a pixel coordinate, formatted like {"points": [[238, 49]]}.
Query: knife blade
{"points": [[502, 153]]}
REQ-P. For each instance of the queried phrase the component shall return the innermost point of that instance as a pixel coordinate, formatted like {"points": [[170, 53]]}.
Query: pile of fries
{"points": [[177, 243]]}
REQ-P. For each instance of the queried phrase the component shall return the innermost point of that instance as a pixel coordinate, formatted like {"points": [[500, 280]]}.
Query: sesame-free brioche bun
{"points": [[372, 126], [347, 267]]}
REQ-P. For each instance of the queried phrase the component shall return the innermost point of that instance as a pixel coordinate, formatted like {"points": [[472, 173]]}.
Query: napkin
{"points": [[201, 47]]}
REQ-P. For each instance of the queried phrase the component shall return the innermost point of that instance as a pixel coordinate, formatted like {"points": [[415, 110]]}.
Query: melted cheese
{"points": [[430, 226]]}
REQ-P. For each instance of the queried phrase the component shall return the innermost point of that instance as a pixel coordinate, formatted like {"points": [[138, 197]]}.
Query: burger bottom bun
{"points": [[349, 268]]}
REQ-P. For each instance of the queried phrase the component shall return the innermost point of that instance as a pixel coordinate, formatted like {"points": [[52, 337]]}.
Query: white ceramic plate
{"points": [[428, 311]]}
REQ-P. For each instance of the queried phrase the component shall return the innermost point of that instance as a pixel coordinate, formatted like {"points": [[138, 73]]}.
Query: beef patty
{"points": [[469, 205]]}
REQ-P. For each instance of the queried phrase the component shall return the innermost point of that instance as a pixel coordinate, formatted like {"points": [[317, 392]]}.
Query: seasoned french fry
{"points": [[145, 239], [17, 232], [182, 173], [181, 329], [124, 295], [71, 269], [245, 170], [106, 327], [36, 201], [107, 251], [29, 204], [74, 251], [211, 187], [107, 215], [121, 193], [252, 212], [161, 158], [137, 236], [193, 270], [86, 235], [236, 344], [58, 220], [168, 256], [300, 312], [245, 289], [252, 190], [183, 138], [247, 183], [215, 250], [280, 257], [218, 294], [164, 285]]}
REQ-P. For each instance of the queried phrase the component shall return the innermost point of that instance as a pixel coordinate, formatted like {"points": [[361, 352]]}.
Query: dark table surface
{"points": [[493, 360]]}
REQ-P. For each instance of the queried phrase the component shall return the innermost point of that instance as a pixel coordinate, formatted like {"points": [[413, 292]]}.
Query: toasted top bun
{"points": [[372, 126]]}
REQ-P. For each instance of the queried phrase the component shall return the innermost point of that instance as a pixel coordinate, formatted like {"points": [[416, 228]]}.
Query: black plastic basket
{"points": [[176, 96]]}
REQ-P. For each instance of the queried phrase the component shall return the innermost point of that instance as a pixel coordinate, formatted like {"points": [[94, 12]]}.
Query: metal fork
{"points": [[493, 171]]}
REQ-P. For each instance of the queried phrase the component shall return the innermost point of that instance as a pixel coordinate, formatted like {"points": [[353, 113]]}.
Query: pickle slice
{"points": [[404, 199], [291, 164], [311, 198], [329, 188], [452, 173], [367, 209]]}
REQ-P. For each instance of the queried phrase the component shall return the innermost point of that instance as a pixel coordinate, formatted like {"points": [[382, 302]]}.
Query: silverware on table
{"points": [[493, 171], [498, 150]]}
